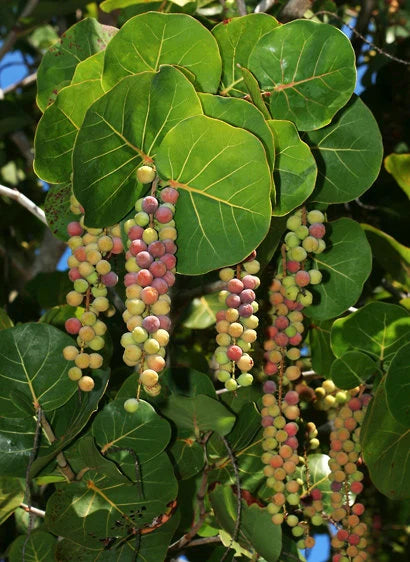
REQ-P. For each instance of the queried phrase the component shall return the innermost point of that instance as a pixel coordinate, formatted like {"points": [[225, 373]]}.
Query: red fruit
{"points": [[220, 315], [353, 539], [271, 332], [355, 404], [270, 368], [245, 310], [169, 278], [234, 352], [135, 232], [281, 322], [292, 305], [130, 279], [316, 494], [74, 274], [336, 445], [160, 285], [292, 266], [149, 204], [292, 442], [73, 325], [235, 286], [149, 295], [276, 461], [110, 279], [317, 229], [292, 397], [269, 387], [158, 269], [144, 277], [74, 228], [170, 246], [358, 509], [295, 340], [164, 214], [156, 249], [336, 557], [267, 421], [164, 322], [80, 253], [302, 278], [356, 487], [342, 535], [144, 259], [233, 301], [169, 260], [250, 282], [117, 245], [291, 428], [247, 296], [151, 324], [137, 246], [281, 339], [169, 195]]}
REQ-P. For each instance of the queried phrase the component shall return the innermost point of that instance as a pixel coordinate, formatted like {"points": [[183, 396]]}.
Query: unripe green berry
{"points": [[131, 405], [145, 174]]}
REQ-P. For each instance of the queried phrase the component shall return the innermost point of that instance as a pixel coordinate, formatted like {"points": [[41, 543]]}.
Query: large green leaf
{"points": [[345, 266], [379, 329], [39, 548], [32, 364], [57, 209], [202, 311], [295, 168], [89, 69], [397, 386], [57, 67], [122, 129], [386, 444], [11, 496], [352, 369], [318, 477], [348, 153], [309, 69], [187, 454], [256, 532], [240, 113], [224, 181], [150, 40], [199, 414], [236, 38], [319, 343], [71, 418], [398, 165], [58, 128], [115, 427], [254, 92]]}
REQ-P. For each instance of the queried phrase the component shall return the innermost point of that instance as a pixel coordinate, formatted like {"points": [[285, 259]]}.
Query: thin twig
{"points": [[264, 6], [205, 540], [60, 458], [24, 201], [238, 495], [12, 37], [33, 510]]}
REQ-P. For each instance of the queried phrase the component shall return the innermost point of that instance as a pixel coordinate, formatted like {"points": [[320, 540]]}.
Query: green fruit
{"points": [[302, 232], [96, 344], [315, 276], [131, 405], [291, 240], [141, 218], [145, 174], [293, 222], [315, 216], [222, 375], [310, 244], [231, 384], [298, 253], [245, 379], [80, 285]]}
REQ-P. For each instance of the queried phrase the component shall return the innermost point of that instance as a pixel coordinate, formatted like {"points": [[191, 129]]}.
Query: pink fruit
{"points": [[151, 324], [144, 277], [117, 245], [270, 368], [220, 315], [235, 286], [295, 340], [281, 322], [160, 285], [149, 204], [302, 278], [74, 228], [169, 195], [232, 301], [135, 232], [169, 260], [317, 229], [110, 279], [170, 246], [156, 249], [130, 279], [269, 387], [281, 339], [73, 325], [292, 266], [80, 253], [247, 296], [165, 322], [158, 269], [292, 397], [250, 282], [245, 310], [169, 278], [291, 428], [234, 352], [144, 259], [149, 295], [74, 274], [164, 214], [137, 246]]}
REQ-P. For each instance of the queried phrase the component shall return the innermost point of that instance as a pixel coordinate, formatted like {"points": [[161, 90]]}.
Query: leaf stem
{"points": [[60, 458]]}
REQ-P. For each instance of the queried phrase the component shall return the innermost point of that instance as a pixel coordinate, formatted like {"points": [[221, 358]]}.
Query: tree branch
{"points": [[264, 6], [33, 510], [26, 81], [12, 37], [24, 201], [61, 460]]}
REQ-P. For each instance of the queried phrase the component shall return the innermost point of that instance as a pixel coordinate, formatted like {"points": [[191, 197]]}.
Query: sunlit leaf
{"points": [[11, 496], [89, 69], [352, 369], [202, 312], [398, 165]]}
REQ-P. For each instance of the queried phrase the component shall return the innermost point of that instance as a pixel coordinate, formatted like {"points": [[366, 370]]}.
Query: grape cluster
{"points": [[346, 480], [150, 265], [90, 271], [329, 398], [236, 325]]}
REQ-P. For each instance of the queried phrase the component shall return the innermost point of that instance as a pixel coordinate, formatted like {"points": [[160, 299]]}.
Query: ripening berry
{"points": [[86, 384], [302, 278], [315, 276], [70, 352], [170, 195], [315, 216], [73, 325], [74, 299], [298, 253], [75, 373], [305, 299], [245, 379], [151, 324], [302, 231], [164, 214], [293, 222], [252, 267], [317, 230], [150, 235], [310, 244], [149, 205], [80, 285], [131, 405], [145, 174], [149, 377], [97, 343], [96, 361], [231, 384]]}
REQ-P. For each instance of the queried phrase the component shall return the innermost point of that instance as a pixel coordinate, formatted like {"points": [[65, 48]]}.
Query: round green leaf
{"points": [[57, 210], [57, 67], [397, 386], [243, 114], [116, 427], [398, 165], [319, 343], [39, 548], [348, 154], [295, 168], [345, 266], [379, 329], [386, 444], [224, 181], [32, 363], [236, 38], [89, 69], [352, 369], [150, 40], [58, 128], [309, 69], [120, 131]]}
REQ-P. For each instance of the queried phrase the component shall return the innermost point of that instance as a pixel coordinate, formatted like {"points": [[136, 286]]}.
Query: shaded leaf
{"points": [[57, 209], [147, 41], [115, 427], [39, 547], [345, 266], [397, 386], [224, 182], [57, 67], [11, 496], [385, 444], [309, 69], [5, 321], [32, 362], [236, 38], [187, 455], [295, 168], [319, 342], [254, 92], [352, 369], [318, 477], [379, 329], [348, 154], [202, 312], [398, 165], [120, 131]]}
